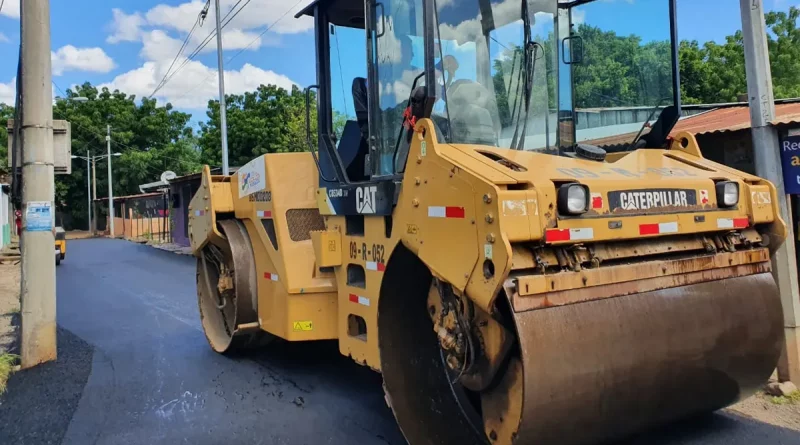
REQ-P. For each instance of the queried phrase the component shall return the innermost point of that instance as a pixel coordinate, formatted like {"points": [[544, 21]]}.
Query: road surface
{"points": [[155, 381]]}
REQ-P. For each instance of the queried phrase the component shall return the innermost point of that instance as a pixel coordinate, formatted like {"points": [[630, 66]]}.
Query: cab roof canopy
{"points": [[349, 13]]}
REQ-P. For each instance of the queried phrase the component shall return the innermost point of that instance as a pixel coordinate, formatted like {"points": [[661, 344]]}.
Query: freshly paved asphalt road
{"points": [[155, 381]]}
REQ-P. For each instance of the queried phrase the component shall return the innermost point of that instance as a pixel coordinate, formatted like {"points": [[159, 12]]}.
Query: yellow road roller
{"points": [[497, 218]]}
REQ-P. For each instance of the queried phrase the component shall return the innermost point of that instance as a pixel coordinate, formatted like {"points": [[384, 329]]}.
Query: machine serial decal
{"points": [[375, 254], [265, 196], [651, 199]]}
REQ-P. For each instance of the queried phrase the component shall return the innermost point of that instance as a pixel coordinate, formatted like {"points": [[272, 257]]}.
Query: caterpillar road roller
{"points": [[494, 213]]}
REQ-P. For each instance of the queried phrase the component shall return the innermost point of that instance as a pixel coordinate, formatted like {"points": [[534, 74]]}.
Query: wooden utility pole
{"points": [[38, 290], [766, 151]]}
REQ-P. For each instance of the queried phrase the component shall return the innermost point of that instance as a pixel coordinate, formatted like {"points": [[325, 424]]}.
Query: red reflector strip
{"points": [[199, 213], [597, 201], [445, 212], [264, 213], [271, 276], [560, 235], [732, 223], [364, 301], [658, 229], [372, 265]]}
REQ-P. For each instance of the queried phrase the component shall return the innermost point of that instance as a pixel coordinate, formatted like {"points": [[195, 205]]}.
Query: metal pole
{"points": [[222, 107], [38, 291], [94, 178], [89, 190], [110, 182], [768, 166]]}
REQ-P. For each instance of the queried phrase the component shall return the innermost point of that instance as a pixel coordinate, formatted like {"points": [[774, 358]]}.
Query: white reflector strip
{"points": [[364, 301], [670, 227], [581, 234], [271, 276], [372, 265], [732, 223]]}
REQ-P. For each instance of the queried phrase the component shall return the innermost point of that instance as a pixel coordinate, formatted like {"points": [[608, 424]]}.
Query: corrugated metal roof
{"points": [[734, 119]]}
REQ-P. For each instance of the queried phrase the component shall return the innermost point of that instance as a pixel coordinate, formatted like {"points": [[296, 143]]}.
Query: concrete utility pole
{"points": [[89, 188], [94, 194], [766, 149], [110, 182], [38, 290], [222, 107]]}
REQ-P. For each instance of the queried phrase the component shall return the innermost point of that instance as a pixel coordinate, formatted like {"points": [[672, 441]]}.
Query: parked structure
{"points": [[144, 216], [181, 191]]}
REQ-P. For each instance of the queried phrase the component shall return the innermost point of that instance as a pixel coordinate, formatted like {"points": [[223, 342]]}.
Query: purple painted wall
{"points": [[179, 235], [181, 194]]}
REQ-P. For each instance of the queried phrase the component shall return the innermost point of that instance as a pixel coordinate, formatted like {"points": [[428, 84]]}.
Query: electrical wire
{"points": [[241, 50], [180, 52], [204, 43], [341, 74]]}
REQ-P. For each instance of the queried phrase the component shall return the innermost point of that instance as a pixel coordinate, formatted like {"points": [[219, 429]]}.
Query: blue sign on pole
{"points": [[790, 158]]}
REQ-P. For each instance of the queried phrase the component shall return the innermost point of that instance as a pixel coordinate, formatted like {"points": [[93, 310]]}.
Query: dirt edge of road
{"points": [[9, 320]]}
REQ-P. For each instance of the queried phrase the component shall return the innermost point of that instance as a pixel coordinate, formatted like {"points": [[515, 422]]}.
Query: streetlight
{"points": [[79, 99], [92, 159]]}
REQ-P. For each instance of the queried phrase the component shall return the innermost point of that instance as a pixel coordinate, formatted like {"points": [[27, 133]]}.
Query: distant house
{"points": [[181, 192], [135, 216]]}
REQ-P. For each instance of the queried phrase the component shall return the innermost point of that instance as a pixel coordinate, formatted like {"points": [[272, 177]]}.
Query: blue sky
{"points": [[129, 44]]}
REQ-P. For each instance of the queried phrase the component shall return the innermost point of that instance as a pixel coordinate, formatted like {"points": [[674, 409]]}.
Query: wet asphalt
{"points": [[154, 380]]}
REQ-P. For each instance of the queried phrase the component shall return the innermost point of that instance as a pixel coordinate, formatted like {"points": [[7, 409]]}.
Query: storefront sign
{"points": [[790, 158]]}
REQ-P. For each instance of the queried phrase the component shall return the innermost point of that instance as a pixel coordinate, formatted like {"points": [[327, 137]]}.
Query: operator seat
{"points": [[353, 147], [360, 104]]}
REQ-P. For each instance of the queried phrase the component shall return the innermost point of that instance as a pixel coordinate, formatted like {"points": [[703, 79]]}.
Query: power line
{"points": [[200, 17], [204, 43], [243, 49]]}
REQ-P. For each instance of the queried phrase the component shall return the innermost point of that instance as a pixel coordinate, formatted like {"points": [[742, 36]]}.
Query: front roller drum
{"points": [[606, 369], [590, 372], [227, 292]]}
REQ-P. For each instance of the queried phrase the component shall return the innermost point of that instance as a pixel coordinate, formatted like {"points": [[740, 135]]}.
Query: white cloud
{"points": [[10, 9], [158, 46], [4, 38], [8, 92], [69, 58], [195, 84], [162, 30], [176, 21], [125, 27]]}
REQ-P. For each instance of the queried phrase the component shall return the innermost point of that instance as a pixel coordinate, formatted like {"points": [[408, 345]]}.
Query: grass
{"points": [[7, 363], [791, 399]]}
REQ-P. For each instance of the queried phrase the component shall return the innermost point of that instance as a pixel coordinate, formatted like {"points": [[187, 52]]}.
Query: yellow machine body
{"points": [[485, 221]]}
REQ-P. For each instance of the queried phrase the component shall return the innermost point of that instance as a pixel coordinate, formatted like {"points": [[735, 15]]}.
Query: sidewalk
{"points": [[9, 315], [171, 247]]}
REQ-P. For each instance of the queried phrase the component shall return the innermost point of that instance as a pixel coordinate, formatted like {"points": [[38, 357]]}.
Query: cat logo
{"points": [[365, 199]]}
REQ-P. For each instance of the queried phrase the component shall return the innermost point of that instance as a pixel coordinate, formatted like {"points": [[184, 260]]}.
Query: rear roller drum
{"points": [[226, 292], [580, 374]]}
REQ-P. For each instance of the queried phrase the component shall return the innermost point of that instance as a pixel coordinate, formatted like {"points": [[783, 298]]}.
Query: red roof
{"points": [[734, 119]]}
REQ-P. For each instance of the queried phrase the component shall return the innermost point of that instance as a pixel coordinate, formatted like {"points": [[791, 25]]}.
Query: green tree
{"points": [[268, 120], [151, 139], [6, 113]]}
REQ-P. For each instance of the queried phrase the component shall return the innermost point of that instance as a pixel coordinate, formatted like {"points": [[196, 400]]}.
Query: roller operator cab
{"points": [[494, 215]]}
